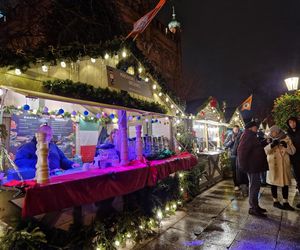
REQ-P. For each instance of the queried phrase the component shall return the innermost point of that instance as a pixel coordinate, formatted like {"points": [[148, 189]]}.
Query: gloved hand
{"points": [[274, 143], [283, 143]]}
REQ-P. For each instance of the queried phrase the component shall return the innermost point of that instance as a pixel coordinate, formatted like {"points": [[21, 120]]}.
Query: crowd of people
{"points": [[258, 160]]}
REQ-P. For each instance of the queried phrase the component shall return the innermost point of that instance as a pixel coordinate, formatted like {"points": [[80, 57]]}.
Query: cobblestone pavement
{"points": [[218, 219]]}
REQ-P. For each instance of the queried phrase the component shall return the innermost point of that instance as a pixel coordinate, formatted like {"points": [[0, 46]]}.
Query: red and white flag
{"points": [[140, 25], [246, 105]]}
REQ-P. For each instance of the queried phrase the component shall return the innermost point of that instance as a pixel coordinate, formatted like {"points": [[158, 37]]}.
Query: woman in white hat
{"points": [[279, 175]]}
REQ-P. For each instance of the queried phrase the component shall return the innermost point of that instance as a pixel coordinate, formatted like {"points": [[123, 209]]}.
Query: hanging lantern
{"points": [[86, 113], [111, 116], [60, 111]]}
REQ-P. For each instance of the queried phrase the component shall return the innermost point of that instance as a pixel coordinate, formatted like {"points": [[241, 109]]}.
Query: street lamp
{"points": [[292, 83]]}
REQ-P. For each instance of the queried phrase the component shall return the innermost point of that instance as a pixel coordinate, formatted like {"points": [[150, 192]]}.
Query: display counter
{"points": [[84, 187]]}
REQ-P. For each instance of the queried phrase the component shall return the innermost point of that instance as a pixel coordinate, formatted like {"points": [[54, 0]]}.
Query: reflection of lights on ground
{"points": [[193, 243]]}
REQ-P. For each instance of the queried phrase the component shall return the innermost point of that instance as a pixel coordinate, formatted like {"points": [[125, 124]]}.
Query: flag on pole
{"points": [[140, 25], [246, 105]]}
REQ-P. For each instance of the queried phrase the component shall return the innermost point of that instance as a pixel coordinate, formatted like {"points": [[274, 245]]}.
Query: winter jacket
{"points": [[251, 154], [295, 137], [278, 157], [26, 157], [230, 142]]}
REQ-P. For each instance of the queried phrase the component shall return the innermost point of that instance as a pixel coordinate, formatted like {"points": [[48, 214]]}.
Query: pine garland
{"points": [[87, 92]]}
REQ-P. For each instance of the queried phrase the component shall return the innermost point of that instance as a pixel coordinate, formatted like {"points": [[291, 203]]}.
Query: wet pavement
{"points": [[218, 219]]}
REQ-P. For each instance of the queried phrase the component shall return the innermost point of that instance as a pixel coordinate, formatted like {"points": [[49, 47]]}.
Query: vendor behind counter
{"points": [[26, 158]]}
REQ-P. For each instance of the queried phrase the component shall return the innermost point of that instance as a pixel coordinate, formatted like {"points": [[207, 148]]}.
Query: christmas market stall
{"points": [[209, 130], [112, 122], [236, 119]]}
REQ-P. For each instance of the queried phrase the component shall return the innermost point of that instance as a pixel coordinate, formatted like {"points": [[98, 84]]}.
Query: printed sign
{"points": [[24, 127], [121, 80]]}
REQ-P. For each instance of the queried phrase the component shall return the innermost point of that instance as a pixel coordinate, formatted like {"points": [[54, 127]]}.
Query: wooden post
{"points": [[139, 143], [122, 123], [42, 170]]}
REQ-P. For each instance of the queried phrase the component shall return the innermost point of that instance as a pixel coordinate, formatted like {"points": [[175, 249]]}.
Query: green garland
{"points": [[137, 222], [87, 92], [73, 52]]}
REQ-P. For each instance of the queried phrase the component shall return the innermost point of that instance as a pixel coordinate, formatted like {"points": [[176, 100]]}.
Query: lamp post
{"points": [[292, 83]]}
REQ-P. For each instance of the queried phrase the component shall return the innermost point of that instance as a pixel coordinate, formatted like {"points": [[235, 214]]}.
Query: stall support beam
{"points": [[139, 144], [122, 124]]}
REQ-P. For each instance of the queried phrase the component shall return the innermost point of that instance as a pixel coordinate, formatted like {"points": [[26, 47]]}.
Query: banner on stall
{"points": [[121, 80], [24, 127]]}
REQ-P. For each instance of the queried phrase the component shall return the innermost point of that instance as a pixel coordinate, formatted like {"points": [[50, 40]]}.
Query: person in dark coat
{"points": [[252, 160], [26, 154], [294, 133], [229, 143]]}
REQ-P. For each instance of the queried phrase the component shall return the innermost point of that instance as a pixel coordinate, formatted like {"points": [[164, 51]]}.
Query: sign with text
{"points": [[121, 80]]}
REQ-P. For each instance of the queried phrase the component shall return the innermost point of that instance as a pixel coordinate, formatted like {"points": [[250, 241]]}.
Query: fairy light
{"points": [[177, 111], [146, 79], [167, 208], [140, 69], [167, 99], [124, 54], [63, 64], [93, 60], [178, 134], [181, 175], [181, 189], [179, 148], [172, 106], [128, 235], [154, 86], [45, 68], [117, 243], [160, 94], [18, 72], [174, 206], [159, 214]]}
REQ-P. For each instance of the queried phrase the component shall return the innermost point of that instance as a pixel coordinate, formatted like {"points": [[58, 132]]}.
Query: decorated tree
{"points": [[286, 106]]}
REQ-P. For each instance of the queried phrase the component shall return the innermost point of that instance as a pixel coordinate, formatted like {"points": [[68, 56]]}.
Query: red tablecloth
{"points": [[99, 184]]}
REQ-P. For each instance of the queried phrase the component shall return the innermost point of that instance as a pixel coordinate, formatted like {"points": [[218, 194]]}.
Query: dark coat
{"points": [[230, 143], [251, 154], [26, 157], [295, 137]]}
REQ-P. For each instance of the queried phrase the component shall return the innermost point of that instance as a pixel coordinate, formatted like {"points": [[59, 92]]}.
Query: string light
{"points": [[106, 56], [93, 60], [160, 94], [146, 79], [63, 64], [117, 243], [177, 111], [167, 208], [181, 175], [172, 106], [159, 215], [154, 86], [124, 54], [18, 72], [45, 68], [167, 99], [140, 69]]}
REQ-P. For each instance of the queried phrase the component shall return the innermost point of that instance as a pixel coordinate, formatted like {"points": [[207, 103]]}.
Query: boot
{"points": [[277, 204], [262, 210], [256, 212], [287, 206]]}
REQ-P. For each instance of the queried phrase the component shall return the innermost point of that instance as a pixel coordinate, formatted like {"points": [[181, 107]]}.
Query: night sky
{"points": [[235, 48]]}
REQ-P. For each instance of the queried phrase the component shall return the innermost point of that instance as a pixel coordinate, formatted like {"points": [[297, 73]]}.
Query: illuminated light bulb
{"points": [[167, 99], [167, 208], [92, 118], [34, 111], [63, 64], [115, 120], [181, 189], [178, 134], [174, 206], [160, 94], [146, 120], [179, 148], [45, 68], [177, 111], [141, 227], [128, 235], [172, 106], [154, 86], [159, 214], [179, 202], [18, 72], [167, 118], [181, 175], [124, 54], [140, 69], [106, 56], [117, 243], [93, 60]]}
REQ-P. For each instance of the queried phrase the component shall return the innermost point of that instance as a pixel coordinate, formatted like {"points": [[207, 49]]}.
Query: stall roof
{"points": [[36, 94]]}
